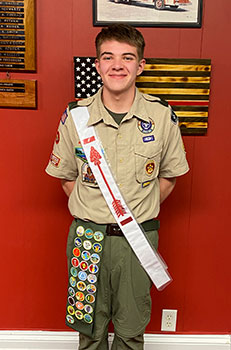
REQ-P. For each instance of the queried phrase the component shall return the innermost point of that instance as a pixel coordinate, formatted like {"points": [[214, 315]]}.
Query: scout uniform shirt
{"points": [[146, 145]]}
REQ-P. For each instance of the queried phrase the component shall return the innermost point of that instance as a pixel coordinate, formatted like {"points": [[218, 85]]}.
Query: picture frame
{"points": [[148, 13]]}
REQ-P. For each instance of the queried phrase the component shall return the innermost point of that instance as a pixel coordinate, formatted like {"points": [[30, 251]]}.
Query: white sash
{"points": [[147, 256]]}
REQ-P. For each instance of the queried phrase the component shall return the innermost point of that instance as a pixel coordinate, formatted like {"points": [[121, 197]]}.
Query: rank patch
{"points": [[87, 175], [146, 127], [150, 168], [55, 160]]}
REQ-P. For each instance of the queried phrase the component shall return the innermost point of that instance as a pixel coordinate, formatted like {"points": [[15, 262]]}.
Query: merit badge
{"points": [[79, 305], [81, 286], [148, 138], [95, 258], [87, 175], [90, 298], [76, 252], [79, 296], [98, 236], [92, 278], [70, 310], [57, 138], [79, 315], [86, 255], [83, 265], [70, 319], [64, 117], [150, 168], [93, 268], [72, 281], [75, 262], [80, 231], [82, 276], [87, 245], [88, 309], [146, 127], [91, 288], [71, 291], [73, 271], [71, 301], [55, 160], [88, 318], [97, 247], [78, 242], [80, 154], [89, 233]]}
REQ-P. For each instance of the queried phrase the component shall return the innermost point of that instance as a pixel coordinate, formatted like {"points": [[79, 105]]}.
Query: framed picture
{"points": [[148, 13]]}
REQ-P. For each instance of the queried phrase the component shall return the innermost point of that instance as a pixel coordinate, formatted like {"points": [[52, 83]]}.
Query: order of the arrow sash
{"points": [[148, 257]]}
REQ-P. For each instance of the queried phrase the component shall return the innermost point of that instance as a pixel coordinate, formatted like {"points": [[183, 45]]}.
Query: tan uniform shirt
{"points": [[145, 146]]}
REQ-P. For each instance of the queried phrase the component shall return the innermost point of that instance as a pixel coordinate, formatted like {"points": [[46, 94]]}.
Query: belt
{"points": [[150, 225]]}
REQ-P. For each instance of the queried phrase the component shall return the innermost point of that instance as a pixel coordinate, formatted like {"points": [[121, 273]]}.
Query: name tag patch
{"points": [[148, 138]]}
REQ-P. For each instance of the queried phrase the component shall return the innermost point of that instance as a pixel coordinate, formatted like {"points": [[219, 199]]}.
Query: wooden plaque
{"points": [[17, 35], [18, 93]]}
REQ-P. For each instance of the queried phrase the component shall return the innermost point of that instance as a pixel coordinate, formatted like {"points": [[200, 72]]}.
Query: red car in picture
{"points": [[161, 4]]}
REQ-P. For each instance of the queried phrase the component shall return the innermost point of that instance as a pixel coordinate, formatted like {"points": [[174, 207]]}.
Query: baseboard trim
{"points": [[43, 340]]}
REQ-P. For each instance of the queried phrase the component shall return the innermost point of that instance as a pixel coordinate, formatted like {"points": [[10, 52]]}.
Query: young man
{"points": [[142, 144]]}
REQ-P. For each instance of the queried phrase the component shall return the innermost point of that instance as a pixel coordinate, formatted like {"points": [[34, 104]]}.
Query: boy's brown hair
{"points": [[122, 33]]}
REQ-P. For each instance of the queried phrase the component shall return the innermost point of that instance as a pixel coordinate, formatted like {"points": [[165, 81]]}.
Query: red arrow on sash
{"points": [[95, 158]]}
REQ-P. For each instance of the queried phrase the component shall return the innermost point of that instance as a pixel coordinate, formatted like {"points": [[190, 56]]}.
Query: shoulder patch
{"points": [[174, 117], [86, 101]]}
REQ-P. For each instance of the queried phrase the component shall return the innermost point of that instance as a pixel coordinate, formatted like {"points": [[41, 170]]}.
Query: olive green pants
{"points": [[123, 297]]}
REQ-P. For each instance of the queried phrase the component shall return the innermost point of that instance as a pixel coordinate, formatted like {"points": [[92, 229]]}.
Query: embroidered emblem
{"points": [[71, 301], [74, 272], [90, 298], [79, 305], [70, 310], [150, 168], [80, 231], [89, 233], [97, 247], [76, 252], [82, 276], [70, 319], [78, 242], [64, 117], [79, 315], [81, 286], [87, 245], [148, 138], [79, 152], [95, 258], [98, 236], [75, 262], [57, 139], [88, 318], [92, 278], [79, 296], [55, 160], [85, 255], [83, 265], [91, 288], [72, 281], [87, 175], [146, 127], [88, 309], [93, 268], [71, 291]]}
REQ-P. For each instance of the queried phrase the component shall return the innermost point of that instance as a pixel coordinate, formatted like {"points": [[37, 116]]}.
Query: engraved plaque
{"points": [[17, 34], [18, 93]]}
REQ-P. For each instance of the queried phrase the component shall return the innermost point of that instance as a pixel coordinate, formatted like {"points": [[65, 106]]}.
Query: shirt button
{"points": [[121, 160]]}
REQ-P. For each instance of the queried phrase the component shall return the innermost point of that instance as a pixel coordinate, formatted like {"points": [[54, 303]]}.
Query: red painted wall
{"points": [[195, 232]]}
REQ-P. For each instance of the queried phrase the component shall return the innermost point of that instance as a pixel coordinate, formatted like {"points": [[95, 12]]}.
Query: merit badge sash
{"points": [[84, 251], [148, 257]]}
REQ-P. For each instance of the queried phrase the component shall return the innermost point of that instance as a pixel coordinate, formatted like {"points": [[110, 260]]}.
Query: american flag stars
{"points": [[87, 80]]}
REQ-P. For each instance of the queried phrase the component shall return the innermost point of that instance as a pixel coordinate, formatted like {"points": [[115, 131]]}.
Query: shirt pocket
{"points": [[147, 162]]}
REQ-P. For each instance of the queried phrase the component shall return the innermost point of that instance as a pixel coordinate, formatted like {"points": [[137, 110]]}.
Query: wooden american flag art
{"points": [[183, 83]]}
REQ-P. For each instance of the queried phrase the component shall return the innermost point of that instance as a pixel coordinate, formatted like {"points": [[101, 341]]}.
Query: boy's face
{"points": [[118, 66]]}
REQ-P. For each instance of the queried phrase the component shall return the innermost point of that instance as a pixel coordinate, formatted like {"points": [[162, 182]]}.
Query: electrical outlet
{"points": [[168, 322]]}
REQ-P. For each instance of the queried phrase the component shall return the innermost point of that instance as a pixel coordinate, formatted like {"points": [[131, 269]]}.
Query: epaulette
{"points": [[151, 98], [72, 105]]}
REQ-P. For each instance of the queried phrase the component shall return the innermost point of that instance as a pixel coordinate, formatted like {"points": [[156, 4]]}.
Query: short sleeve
{"points": [[62, 163], [173, 157]]}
